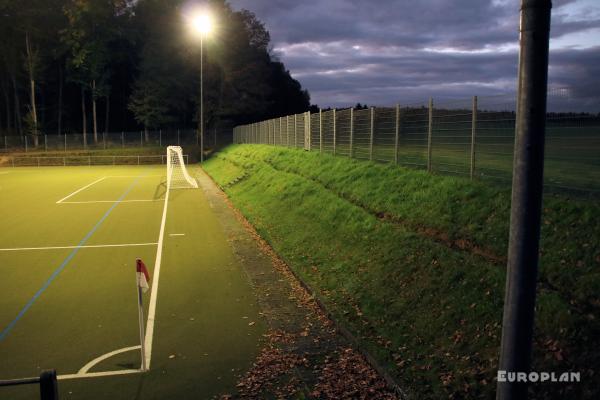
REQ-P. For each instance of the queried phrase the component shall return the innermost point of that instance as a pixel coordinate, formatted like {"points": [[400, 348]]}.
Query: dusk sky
{"points": [[385, 51]]}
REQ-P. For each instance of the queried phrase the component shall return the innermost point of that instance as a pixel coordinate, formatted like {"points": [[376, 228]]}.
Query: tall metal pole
{"points": [[523, 247], [201, 99]]}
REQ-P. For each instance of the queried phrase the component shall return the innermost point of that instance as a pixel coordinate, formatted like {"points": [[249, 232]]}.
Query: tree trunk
{"points": [[95, 119], [5, 90], [17, 107], [106, 117], [60, 98], [30, 67], [83, 117]]}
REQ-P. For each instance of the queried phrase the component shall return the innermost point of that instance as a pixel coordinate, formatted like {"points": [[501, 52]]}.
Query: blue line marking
{"points": [[62, 266]]}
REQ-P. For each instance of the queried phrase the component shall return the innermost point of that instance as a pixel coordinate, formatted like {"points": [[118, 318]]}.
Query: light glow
{"points": [[202, 24]]}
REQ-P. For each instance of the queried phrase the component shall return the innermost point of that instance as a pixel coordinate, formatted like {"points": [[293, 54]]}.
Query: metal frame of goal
{"points": [[177, 174]]}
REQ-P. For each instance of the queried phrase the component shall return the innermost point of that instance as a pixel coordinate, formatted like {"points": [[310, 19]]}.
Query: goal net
{"points": [[177, 175]]}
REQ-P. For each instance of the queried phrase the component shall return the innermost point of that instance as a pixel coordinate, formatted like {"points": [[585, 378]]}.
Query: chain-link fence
{"points": [[111, 140], [472, 137]]}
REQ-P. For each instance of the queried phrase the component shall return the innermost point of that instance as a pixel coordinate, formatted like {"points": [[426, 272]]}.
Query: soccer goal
{"points": [[177, 175]]}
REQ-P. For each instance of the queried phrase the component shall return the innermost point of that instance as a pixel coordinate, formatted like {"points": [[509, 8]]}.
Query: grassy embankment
{"points": [[414, 264]]}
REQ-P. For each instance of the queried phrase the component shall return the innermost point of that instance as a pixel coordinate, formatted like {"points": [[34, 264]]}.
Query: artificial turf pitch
{"points": [[68, 244]]}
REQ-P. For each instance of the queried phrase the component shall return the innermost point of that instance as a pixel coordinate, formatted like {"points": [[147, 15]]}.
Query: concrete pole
{"points": [[429, 134], [320, 131], [334, 132], [371, 132], [351, 132], [473, 136], [397, 135]]}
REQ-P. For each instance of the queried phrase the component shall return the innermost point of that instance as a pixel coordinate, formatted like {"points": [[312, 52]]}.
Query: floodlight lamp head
{"points": [[202, 24]]}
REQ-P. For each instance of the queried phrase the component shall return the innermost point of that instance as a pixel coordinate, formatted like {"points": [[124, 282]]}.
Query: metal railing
{"points": [[57, 161], [47, 381], [472, 138], [112, 140]]}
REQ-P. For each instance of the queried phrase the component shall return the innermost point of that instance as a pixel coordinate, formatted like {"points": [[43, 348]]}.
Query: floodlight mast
{"points": [[202, 25]]}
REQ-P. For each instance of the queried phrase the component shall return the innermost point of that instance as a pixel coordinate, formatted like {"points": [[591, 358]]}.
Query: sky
{"points": [[383, 52]]}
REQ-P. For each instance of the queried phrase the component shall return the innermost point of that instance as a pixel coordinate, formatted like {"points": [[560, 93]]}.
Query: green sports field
{"points": [[68, 244]]}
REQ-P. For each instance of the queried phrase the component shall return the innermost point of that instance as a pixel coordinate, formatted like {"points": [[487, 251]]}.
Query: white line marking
{"points": [[99, 374], [154, 293], [91, 364], [132, 176], [176, 234], [79, 190], [107, 201], [81, 247]]}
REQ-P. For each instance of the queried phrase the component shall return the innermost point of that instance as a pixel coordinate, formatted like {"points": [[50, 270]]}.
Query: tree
{"points": [[148, 106], [91, 28]]}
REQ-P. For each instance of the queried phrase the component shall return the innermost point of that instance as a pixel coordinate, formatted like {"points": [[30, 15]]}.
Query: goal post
{"points": [[177, 174]]}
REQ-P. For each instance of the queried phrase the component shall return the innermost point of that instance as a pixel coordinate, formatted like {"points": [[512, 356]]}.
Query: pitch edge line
{"points": [[79, 190], [91, 364], [93, 246], [107, 201], [99, 374], [153, 295]]}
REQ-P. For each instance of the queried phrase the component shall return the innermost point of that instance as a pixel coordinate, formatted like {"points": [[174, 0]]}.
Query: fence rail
{"points": [[112, 140], [84, 160], [472, 138]]}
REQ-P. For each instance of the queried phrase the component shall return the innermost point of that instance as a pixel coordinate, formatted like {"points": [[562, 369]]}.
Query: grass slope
{"points": [[414, 264]]}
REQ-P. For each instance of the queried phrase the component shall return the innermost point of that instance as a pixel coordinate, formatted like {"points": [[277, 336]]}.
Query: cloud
{"points": [[385, 51]]}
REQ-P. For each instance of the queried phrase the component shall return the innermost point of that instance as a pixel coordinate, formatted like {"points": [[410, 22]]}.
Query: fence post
{"points": [[429, 134], [351, 132], [295, 130], [308, 135], [26, 144], [65, 142], [104, 139], [372, 133], [334, 132], [397, 135], [473, 136], [45, 142], [320, 130], [287, 130], [141, 139], [281, 131], [5, 143], [138, 160], [178, 142], [38, 161]]}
